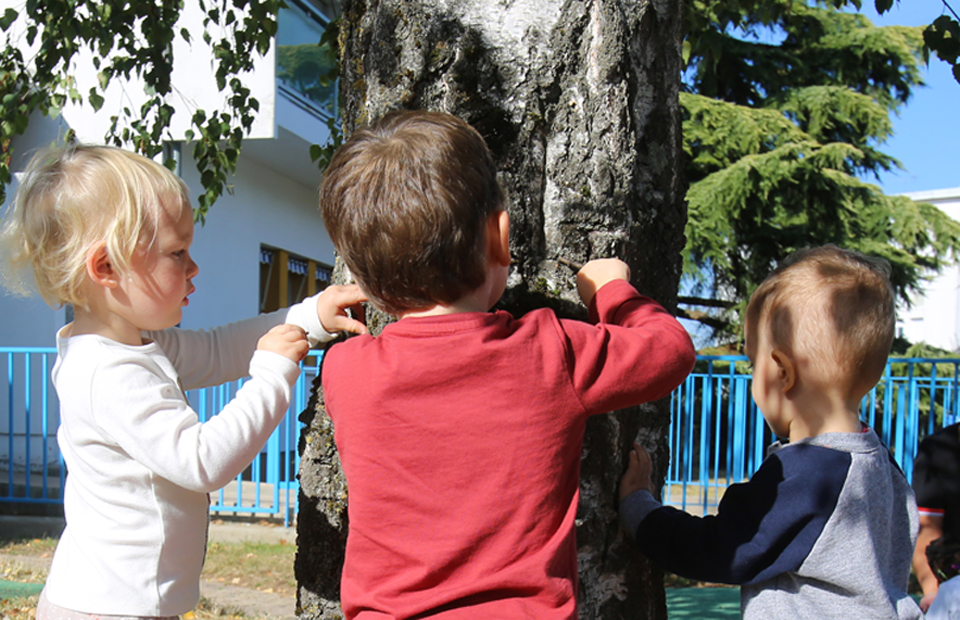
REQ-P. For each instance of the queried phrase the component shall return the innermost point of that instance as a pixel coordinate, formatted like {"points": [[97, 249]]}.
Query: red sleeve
{"points": [[634, 352]]}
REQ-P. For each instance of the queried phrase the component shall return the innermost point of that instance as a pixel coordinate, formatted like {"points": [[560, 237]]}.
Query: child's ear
{"points": [[498, 237], [99, 267], [786, 370]]}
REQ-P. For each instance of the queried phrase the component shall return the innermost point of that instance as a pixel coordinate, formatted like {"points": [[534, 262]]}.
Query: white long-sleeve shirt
{"points": [[140, 464]]}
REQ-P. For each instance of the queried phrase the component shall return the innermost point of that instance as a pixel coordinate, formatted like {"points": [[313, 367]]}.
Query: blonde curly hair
{"points": [[71, 198]]}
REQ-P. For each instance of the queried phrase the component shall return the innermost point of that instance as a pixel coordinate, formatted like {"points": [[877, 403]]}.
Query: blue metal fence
{"points": [[33, 470], [717, 436], [33, 461]]}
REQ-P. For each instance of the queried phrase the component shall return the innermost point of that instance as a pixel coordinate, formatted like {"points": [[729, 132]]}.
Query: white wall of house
{"points": [[934, 316], [266, 208]]}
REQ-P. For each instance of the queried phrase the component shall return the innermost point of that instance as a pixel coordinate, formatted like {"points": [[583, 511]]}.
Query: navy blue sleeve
{"points": [[763, 527]]}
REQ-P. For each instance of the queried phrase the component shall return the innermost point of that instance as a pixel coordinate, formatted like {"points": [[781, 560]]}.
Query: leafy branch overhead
{"points": [[786, 109], [941, 37], [134, 40]]}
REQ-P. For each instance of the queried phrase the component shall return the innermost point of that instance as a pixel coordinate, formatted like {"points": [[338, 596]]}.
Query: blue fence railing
{"points": [[32, 469], [32, 459], [717, 436]]}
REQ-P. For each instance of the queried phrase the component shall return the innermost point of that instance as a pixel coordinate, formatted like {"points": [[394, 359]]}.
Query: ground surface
{"points": [[248, 575], [23, 566]]}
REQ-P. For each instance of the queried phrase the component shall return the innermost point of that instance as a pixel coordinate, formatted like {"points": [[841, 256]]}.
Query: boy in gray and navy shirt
{"points": [[826, 526]]}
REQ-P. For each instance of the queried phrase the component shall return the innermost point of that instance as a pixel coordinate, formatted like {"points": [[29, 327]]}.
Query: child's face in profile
{"points": [[767, 386], [160, 277]]}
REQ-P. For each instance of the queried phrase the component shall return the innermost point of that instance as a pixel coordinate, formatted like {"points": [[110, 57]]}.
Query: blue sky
{"points": [[927, 131]]}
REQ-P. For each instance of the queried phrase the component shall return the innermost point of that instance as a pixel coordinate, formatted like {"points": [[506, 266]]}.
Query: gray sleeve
{"points": [[634, 509]]}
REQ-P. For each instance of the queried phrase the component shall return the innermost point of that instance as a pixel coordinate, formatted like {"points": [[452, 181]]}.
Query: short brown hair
{"points": [[833, 305], [406, 201]]}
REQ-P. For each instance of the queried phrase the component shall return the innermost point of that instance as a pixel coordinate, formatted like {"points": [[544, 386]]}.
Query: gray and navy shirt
{"points": [[824, 529]]}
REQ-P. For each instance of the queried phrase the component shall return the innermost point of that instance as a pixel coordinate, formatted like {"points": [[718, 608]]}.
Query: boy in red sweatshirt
{"points": [[460, 429]]}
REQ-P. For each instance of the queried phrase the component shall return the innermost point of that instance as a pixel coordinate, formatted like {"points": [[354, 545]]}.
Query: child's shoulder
{"points": [[807, 466]]}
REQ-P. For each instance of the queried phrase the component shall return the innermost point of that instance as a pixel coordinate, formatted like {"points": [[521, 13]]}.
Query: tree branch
{"points": [[709, 303], [703, 318]]}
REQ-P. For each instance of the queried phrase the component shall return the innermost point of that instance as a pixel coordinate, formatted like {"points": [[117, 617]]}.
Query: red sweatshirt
{"points": [[460, 437]]}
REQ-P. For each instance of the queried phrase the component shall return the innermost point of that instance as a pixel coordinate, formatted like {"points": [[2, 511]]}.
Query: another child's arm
{"points": [[763, 527], [325, 315], [210, 357], [596, 273], [634, 352], [287, 340], [332, 308], [138, 405]]}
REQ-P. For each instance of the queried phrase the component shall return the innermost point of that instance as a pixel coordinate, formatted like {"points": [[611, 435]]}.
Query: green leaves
{"points": [[792, 104], [9, 16], [135, 40], [943, 37], [321, 155]]}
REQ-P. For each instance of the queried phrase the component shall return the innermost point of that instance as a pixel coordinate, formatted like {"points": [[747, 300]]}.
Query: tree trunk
{"points": [[578, 102]]}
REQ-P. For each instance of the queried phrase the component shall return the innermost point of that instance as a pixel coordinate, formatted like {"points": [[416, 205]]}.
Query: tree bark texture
{"points": [[578, 102]]}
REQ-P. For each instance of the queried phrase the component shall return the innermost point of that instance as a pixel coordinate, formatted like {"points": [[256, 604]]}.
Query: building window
{"points": [[286, 279], [306, 70]]}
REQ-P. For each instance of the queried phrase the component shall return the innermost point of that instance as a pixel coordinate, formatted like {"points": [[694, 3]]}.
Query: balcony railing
{"points": [[306, 70]]}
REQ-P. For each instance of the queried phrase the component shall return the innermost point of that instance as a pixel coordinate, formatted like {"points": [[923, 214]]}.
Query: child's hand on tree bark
{"points": [[596, 273], [637, 476]]}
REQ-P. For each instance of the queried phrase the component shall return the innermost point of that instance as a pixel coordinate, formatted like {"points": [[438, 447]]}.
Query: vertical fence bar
{"points": [[28, 411], [675, 437], [902, 405], [45, 425], [887, 404], [706, 403], [10, 421], [912, 426], [760, 426], [931, 417], [688, 437], [731, 398], [956, 395], [672, 470], [716, 438]]}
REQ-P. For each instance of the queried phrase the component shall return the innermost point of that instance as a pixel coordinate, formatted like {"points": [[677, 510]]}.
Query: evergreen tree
{"points": [[785, 109]]}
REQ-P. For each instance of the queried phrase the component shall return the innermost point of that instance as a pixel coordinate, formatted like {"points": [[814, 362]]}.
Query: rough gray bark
{"points": [[578, 102]]}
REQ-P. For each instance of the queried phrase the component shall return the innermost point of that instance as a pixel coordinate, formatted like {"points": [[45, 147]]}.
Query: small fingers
{"points": [[295, 334], [345, 295], [333, 306], [346, 324], [286, 329], [642, 455]]}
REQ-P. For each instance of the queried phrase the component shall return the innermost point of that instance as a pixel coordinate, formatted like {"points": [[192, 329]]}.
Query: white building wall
{"points": [[934, 317], [266, 208]]}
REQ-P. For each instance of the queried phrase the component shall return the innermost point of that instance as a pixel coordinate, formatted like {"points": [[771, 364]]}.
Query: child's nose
{"points": [[193, 268]]}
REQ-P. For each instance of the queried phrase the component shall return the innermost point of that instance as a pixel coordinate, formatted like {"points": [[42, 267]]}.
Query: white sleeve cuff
{"points": [[304, 314]]}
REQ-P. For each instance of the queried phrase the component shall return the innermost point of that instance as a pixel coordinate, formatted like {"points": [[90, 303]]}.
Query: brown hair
{"points": [[406, 201], [833, 305]]}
